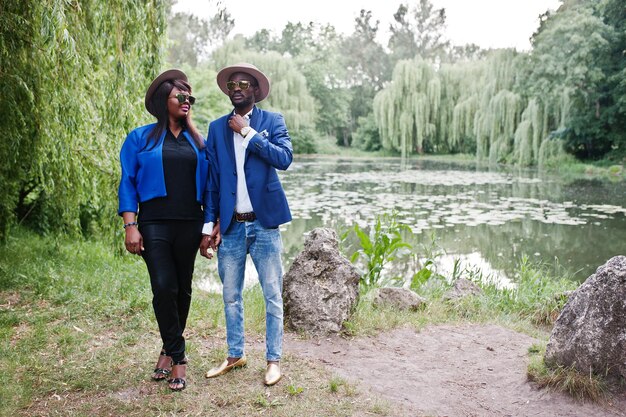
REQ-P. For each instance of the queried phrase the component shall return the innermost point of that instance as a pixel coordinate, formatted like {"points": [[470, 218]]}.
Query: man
{"points": [[245, 195]]}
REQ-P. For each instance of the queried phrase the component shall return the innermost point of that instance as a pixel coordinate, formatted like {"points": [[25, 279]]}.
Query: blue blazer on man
{"points": [[142, 169], [268, 150]]}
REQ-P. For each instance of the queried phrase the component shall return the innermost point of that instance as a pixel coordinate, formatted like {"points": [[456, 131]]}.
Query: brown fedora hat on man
{"points": [[264, 83], [171, 74]]}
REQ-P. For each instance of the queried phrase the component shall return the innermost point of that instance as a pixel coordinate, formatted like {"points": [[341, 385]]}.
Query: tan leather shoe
{"points": [[225, 367], [272, 373]]}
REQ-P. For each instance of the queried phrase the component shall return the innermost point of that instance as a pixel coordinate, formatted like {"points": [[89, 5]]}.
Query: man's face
{"points": [[242, 97]]}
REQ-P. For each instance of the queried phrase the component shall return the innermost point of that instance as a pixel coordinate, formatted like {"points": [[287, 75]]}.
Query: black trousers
{"points": [[170, 251]]}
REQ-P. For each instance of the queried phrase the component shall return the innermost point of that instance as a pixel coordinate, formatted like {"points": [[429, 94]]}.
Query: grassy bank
{"points": [[78, 337], [569, 167]]}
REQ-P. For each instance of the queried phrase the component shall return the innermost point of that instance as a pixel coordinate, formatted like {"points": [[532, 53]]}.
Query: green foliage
{"points": [[569, 70], [421, 277], [426, 268], [294, 390], [564, 379], [383, 244], [505, 105], [366, 136], [536, 295], [336, 382], [73, 75], [418, 32], [304, 141]]}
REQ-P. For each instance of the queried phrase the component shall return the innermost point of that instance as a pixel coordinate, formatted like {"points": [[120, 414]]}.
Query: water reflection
{"points": [[490, 217]]}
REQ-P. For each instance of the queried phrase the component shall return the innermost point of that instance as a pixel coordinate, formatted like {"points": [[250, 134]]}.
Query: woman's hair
{"points": [[159, 104]]}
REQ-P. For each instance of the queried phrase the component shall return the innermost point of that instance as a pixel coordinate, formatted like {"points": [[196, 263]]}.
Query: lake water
{"points": [[482, 217]]}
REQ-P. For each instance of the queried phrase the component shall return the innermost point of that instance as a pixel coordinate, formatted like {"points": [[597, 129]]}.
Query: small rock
{"points": [[400, 298], [462, 288]]}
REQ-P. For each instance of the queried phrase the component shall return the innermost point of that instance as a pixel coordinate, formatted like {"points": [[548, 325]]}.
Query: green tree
{"points": [[367, 62], [368, 68], [190, 38], [73, 75], [614, 103], [418, 31], [316, 50], [568, 75]]}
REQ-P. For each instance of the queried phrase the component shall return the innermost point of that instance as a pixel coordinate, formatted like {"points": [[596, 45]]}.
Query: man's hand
{"points": [[205, 244], [216, 236], [237, 122]]}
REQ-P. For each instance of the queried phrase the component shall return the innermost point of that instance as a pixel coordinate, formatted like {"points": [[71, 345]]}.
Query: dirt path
{"points": [[454, 371]]}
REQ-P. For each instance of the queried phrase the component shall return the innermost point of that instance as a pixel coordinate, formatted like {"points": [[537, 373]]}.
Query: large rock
{"points": [[321, 288], [590, 332], [400, 298]]}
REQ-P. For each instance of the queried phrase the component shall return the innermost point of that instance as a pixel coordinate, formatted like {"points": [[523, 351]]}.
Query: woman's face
{"points": [[175, 109]]}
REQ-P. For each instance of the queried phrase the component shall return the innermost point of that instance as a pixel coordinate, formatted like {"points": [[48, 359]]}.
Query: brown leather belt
{"points": [[245, 217]]}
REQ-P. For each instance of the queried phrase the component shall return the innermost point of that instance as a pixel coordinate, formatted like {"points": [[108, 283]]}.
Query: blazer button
{"points": [[232, 192], [235, 173]]}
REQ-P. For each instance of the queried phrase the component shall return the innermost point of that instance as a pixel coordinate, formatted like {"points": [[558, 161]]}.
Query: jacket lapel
{"points": [[229, 141], [255, 122]]}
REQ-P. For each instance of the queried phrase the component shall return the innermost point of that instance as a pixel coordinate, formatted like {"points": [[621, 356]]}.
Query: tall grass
{"points": [[565, 379]]}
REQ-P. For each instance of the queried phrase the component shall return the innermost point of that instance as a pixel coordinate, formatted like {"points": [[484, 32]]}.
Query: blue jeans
{"points": [[265, 247]]}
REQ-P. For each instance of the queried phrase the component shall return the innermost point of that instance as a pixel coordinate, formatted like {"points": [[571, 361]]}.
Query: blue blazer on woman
{"points": [[142, 169], [269, 149]]}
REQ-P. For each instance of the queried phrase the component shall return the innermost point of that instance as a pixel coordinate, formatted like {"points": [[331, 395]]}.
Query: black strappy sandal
{"points": [[178, 381], [161, 374]]}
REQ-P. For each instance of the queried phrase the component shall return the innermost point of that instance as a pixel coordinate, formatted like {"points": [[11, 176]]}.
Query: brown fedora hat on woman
{"points": [[224, 76], [171, 74]]}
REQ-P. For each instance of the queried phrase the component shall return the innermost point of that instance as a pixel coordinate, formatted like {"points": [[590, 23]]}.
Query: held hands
{"points": [[205, 244], [211, 241], [133, 241], [237, 122]]}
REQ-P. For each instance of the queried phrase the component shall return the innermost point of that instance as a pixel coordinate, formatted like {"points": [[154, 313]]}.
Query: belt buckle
{"points": [[245, 217]]}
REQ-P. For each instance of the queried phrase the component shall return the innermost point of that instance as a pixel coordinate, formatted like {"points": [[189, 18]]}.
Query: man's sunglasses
{"points": [[184, 97], [244, 85]]}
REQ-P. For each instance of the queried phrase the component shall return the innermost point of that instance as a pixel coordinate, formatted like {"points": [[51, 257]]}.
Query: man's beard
{"points": [[247, 101]]}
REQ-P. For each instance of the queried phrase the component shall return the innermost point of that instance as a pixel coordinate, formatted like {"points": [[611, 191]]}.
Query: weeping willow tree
{"points": [[463, 86], [455, 108], [406, 111], [73, 76], [499, 107], [289, 93]]}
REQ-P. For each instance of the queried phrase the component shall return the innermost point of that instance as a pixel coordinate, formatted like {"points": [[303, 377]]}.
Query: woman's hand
{"points": [[205, 244], [134, 240], [211, 241]]}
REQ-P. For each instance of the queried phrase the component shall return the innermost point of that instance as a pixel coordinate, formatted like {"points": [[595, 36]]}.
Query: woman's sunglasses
{"points": [[184, 97], [244, 85]]}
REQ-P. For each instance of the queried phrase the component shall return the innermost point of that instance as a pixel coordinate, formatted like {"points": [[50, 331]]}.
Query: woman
{"points": [[164, 172]]}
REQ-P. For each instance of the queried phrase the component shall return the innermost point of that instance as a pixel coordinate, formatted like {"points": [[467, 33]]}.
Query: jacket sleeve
{"points": [[276, 148], [127, 192], [211, 193]]}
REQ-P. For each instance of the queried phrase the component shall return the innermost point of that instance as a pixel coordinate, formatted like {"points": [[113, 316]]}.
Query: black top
{"points": [[179, 169]]}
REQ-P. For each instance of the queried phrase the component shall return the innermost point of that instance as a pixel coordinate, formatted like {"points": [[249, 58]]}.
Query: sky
{"points": [[487, 23]]}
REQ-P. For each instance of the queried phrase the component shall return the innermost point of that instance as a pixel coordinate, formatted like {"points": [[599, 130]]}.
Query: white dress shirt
{"points": [[243, 203]]}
